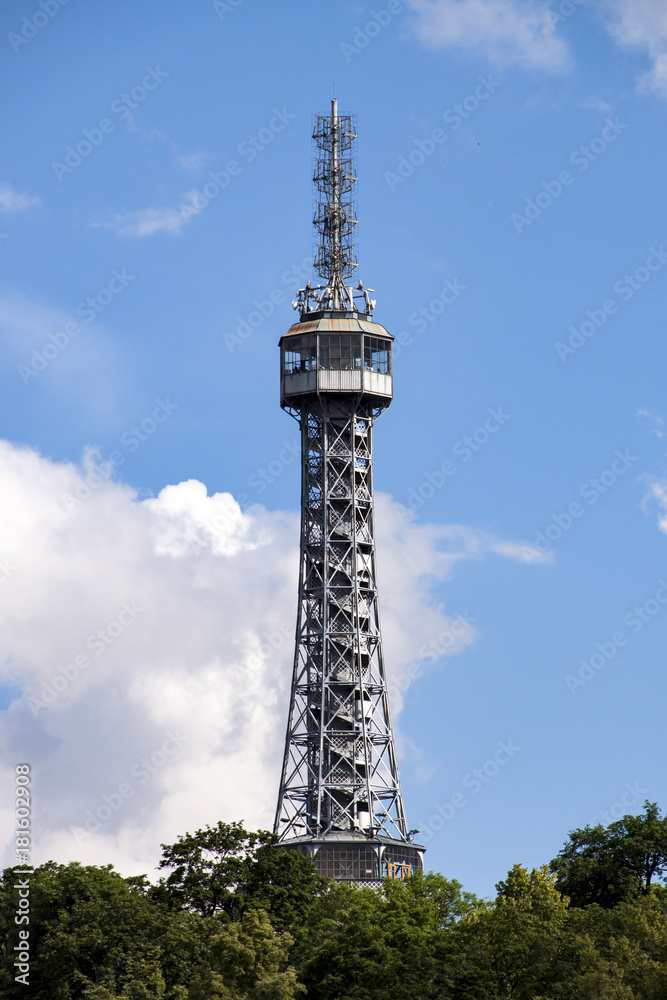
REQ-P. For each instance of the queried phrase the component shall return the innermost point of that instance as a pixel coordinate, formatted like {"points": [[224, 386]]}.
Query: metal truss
{"points": [[339, 771]]}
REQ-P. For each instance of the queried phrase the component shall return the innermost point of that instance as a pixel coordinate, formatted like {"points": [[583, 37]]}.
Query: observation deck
{"points": [[338, 353]]}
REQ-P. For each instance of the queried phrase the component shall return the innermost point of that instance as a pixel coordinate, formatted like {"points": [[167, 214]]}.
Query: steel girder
{"points": [[339, 770]]}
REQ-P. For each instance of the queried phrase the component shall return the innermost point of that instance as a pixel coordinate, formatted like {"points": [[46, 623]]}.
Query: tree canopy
{"points": [[238, 918], [620, 862]]}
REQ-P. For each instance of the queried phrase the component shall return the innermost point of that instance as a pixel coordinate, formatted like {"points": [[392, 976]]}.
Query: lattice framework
{"points": [[340, 770]]}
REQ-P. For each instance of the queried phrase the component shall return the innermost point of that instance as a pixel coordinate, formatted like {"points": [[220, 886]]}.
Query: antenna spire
{"points": [[335, 218]]}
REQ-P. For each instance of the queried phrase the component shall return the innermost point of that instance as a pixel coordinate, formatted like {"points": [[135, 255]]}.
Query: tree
{"points": [[361, 944], [613, 864], [89, 927], [285, 883], [208, 868], [224, 870], [249, 961]]}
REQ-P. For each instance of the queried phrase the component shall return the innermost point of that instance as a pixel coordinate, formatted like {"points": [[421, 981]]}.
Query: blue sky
{"points": [[541, 204]]}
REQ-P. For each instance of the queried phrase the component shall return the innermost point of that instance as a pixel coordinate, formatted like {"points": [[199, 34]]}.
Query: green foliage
{"points": [[89, 927], [224, 870], [249, 961], [363, 944], [240, 919], [618, 863], [208, 868]]}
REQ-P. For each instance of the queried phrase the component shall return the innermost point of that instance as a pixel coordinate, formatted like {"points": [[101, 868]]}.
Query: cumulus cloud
{"points": [[146, 646], [504, 31], [12, 201], [642, 25]]}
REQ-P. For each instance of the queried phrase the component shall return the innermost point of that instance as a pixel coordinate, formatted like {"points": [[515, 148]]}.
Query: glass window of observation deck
{"points": [[300, 355], [377, 355], [340, 352]]}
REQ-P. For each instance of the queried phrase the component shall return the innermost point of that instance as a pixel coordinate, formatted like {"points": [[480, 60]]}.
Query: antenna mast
{"points": [[335, 219]]}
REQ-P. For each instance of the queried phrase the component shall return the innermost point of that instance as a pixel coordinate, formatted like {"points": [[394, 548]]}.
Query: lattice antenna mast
{"points": [[335, 219]]}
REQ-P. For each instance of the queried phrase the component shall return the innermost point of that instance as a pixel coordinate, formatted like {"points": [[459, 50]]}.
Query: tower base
{"points": [[346, 856]]}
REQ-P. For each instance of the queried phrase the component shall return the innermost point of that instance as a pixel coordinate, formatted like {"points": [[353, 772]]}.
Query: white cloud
{"points": [[595, 103], [127, 620], [642, 25], [192, 161], [657, 492], [656, 422], [148, 221], [504, 31], [12, 201]]}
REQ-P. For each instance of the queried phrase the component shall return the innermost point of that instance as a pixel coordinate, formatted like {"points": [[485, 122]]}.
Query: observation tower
{"points": [[340, 800]]}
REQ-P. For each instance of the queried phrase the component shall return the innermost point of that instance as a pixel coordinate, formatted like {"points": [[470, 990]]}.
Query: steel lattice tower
{"points": [[340, 797]]}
